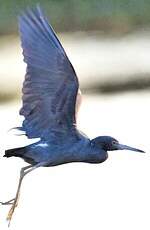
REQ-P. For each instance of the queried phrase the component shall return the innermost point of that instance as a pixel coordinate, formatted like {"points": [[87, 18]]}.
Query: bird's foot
{"points": [[8, 202], [14, 203], [10, 213]]}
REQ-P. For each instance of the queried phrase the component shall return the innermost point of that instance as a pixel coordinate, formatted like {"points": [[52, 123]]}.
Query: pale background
{"points": [[111, 195]]}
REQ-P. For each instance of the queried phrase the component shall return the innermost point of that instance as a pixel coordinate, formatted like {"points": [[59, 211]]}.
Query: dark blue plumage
{"points": [[50, 86], [50, 98]]}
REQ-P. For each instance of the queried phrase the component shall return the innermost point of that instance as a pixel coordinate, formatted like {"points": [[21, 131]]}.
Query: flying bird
{"points": [[50, 102]]}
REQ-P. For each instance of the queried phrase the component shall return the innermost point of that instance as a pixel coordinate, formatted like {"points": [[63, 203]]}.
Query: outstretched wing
{"points": [[51, 85]]}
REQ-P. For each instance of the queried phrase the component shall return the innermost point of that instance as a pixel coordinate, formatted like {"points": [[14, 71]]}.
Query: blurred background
{"points": [[108, 43]]}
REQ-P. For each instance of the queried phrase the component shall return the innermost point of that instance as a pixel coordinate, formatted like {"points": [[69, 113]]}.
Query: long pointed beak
{"points": [[123, 147]]}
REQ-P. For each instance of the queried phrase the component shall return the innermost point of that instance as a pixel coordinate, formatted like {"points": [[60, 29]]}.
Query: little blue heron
{"points": [[51, 98]]}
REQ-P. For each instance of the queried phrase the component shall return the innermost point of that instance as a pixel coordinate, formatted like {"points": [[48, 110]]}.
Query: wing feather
{"points": [[51, 85]]}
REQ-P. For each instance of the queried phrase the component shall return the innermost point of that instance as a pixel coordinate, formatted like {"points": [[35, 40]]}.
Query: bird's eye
{"points": [[114, 142]]}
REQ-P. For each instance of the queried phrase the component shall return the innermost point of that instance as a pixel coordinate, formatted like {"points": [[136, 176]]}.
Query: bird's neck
{"points": [[96, 154]]}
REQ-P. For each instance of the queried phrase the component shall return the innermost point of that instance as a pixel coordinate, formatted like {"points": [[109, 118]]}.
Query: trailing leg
{"points": [[14, 202]]}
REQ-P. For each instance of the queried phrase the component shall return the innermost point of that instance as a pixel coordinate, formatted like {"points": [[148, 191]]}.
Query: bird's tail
{"points": [[17, 152]]}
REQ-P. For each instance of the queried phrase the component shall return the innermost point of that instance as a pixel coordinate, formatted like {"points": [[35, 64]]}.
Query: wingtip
{"points": [[37, 8]]}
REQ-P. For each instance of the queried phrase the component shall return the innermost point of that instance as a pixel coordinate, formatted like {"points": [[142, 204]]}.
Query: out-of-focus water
{"points": [[96, 59], [112, 195]]}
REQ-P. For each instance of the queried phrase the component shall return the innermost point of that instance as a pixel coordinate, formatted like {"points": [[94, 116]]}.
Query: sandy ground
{"points": [[112, 195]]}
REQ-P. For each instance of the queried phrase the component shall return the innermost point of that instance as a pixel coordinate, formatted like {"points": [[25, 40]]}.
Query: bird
{"points": [[50, 102]]}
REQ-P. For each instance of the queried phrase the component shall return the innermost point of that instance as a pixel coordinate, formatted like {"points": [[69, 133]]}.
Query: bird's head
{"points": [[108, 143]]}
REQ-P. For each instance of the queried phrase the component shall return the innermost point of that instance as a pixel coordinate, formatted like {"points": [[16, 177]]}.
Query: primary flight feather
{"points": [[51, 85]]}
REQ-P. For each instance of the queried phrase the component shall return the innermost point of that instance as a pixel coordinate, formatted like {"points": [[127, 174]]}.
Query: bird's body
{"points": [[51, 99], [77, 148]]}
